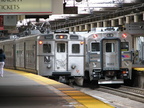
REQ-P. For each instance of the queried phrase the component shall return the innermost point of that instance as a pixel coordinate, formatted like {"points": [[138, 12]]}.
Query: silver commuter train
{"points": [[57, 55], [103, 57], [109, 56]]}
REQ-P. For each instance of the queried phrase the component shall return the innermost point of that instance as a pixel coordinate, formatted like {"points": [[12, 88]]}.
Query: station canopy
{"points": [[88, 8]]}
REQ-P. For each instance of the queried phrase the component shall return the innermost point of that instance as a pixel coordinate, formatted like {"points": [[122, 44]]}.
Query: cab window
{"points": [[95, 47], [46, 48]]}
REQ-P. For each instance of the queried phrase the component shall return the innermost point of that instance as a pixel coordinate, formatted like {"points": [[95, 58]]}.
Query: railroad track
{"points": [[133, 93], [133, 89]]}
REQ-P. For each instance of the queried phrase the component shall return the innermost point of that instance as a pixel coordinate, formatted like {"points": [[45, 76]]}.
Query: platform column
{"points": [[113, 23], [127, 19], [86, 26], [135, 18], [98, 24], [105, 24], [91, 26], [80, 27], [120, 21], [70, 29], [75, 28], [143, 16]]}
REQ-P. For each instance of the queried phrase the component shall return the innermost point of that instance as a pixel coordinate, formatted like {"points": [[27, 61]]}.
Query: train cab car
{"points": [[109, 55], [59, 55]]}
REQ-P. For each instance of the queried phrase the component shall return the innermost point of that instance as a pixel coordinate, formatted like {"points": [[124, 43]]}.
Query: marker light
{"points": [[40, 42], [95, 36], [124, 72], [82, 42], [61, 37], [124, 35]]}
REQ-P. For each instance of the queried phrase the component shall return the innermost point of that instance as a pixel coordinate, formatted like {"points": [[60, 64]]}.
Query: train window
{"points": [[110, 47], [75, 48], [46, 48], [95, 47], [124, 46], [50, 36], [60, 47]]}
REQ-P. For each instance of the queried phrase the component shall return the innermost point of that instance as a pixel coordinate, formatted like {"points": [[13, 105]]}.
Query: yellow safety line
{"points": [[85, 101], [138, 69]]}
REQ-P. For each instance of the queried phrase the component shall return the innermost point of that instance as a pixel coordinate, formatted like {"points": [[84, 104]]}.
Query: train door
{"points": [[61, 56], [111, 55]]}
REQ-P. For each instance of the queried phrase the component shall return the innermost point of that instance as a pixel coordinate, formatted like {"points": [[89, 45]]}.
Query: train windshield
{"points": [[95, 47], [46, 48], [110, 47], [124, 46], [75, 48]]}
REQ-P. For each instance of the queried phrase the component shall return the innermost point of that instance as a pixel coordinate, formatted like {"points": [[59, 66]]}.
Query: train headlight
{"points": [[40, 42], [82, 42], [49, 66], [61, 37], [73, 66]]}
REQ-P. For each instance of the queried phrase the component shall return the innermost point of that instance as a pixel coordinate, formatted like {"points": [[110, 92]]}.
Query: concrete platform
{"points": [[19, 89]]}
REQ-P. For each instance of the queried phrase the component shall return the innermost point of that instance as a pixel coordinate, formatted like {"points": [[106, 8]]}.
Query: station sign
{"points": [[26, 7], [135, 28]]}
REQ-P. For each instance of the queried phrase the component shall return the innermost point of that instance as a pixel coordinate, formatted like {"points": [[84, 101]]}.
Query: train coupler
{"points": [[96, 74], [63, 79]]}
